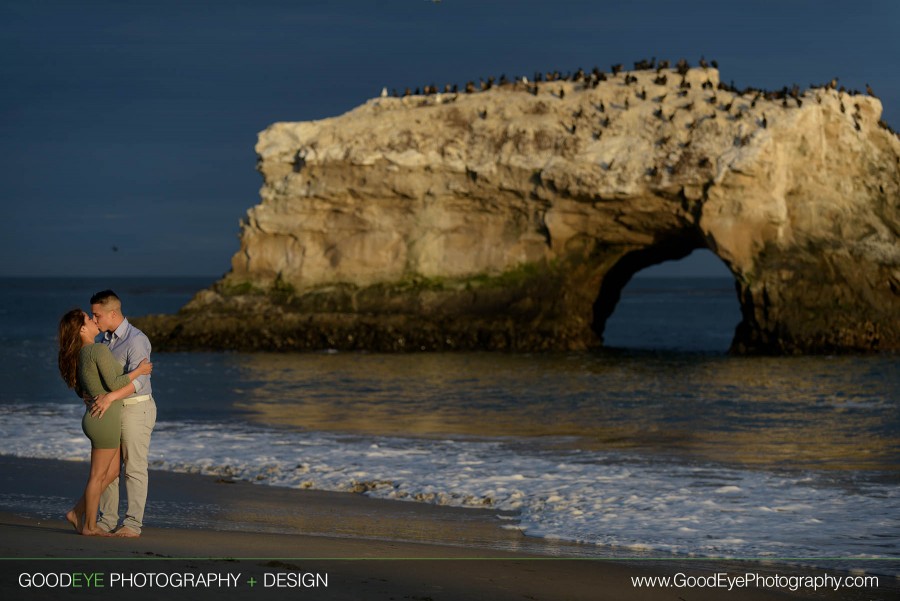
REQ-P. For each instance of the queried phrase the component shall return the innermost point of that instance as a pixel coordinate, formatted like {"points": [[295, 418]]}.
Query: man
{"points": [[130, 346]]}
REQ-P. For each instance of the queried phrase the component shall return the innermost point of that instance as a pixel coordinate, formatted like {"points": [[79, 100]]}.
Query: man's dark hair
{"points": [[104, 296]]}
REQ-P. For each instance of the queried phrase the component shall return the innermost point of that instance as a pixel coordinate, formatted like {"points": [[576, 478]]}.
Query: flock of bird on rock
{"points": [[591, 79]]}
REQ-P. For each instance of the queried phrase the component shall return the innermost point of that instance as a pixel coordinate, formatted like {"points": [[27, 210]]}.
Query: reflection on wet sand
{"points": [[814, 413]]}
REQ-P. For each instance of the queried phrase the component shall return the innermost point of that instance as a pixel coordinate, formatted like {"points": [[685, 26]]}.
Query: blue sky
{"points": [[132, 124]]}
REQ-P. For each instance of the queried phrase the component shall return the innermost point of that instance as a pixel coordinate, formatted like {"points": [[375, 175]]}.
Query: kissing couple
{"points": [[112, 375]]}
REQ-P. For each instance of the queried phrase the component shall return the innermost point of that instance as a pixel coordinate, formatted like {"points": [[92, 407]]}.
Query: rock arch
{"points": [[511, 219]]}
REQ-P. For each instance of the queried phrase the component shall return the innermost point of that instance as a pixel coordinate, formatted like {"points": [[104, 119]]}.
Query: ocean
{"points": [[661, 444]]}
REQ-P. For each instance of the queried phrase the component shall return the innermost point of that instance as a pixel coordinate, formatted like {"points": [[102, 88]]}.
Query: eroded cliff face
{"points": [[513, 218]]}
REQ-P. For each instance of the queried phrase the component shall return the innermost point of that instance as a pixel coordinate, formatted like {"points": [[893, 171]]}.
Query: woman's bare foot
{"points": [[74, 519], [94, 532]]}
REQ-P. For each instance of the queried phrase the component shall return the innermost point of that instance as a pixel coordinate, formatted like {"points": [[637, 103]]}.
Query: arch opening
{"points": [[673, 303]]}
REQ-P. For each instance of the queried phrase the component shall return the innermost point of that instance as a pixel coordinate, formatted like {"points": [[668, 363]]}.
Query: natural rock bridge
{"points": [[513, 218]]}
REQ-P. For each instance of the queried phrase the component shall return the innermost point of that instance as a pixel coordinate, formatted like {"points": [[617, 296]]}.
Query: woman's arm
{"points": [[144, 368], [111, 370]]}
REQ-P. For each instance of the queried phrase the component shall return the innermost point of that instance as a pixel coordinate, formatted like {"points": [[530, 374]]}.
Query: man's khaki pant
{"points": [[137, 426]]}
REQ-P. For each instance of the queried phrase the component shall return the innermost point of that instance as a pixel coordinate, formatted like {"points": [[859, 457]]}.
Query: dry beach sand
{"points": [[367, 548]]}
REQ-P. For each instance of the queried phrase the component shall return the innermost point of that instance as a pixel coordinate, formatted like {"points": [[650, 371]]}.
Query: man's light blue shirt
{"points": [[130, 346]]}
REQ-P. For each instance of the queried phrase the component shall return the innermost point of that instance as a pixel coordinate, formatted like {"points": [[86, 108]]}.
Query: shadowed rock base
{"points": [[544, 311]]}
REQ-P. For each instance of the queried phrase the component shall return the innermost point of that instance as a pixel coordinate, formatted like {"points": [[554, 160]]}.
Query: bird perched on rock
{"points": [[870, 92]]}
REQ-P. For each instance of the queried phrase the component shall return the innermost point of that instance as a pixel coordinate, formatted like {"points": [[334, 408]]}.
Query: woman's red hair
{"points": [[69, 345]]}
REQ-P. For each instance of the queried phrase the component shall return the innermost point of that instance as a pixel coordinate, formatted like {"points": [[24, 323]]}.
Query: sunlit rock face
{"points": [[512, 218]]}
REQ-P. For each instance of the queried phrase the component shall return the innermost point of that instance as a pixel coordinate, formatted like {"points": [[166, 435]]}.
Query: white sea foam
{"points": [[616, 499]]}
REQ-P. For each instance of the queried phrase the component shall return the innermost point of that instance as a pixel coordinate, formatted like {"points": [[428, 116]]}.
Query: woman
{"points": [[91, 370]]}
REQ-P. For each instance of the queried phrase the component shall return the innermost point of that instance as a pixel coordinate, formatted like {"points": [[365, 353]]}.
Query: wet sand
{"points": [[365, 548]]}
